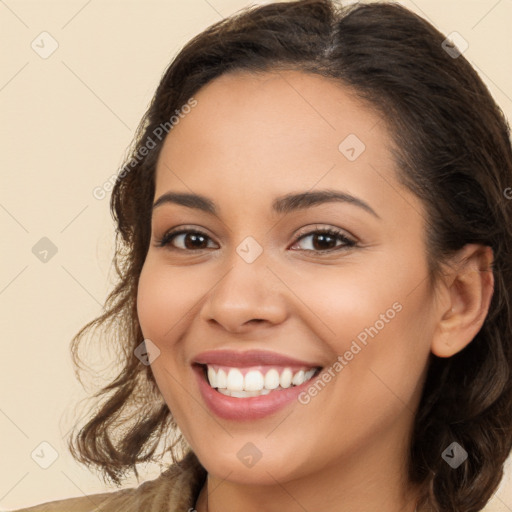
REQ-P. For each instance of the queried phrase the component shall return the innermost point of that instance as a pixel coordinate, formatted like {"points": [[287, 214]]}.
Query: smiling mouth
{"points": [[246, 382]]}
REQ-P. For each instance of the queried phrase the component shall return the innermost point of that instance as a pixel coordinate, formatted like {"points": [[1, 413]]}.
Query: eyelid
{"points": [[308, 230]]}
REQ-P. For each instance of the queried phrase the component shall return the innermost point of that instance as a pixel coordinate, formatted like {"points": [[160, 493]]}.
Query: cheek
{"points": [[379, 315], [348, 300], [382, 332], [165, 296], [151, 302]]}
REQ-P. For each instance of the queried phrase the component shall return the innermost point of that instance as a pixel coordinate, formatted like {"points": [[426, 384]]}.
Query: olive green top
{"points": [[175, 490]]}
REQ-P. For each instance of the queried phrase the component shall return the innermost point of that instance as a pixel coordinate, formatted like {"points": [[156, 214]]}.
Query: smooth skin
{"points": [[251, 139]]}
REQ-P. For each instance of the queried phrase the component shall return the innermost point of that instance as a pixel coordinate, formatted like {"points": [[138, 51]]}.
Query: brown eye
{"points": [[187, 239], [326, 240]]}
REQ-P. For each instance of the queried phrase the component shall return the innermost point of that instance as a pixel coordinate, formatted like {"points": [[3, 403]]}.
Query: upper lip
{"points": [[249, 358]]}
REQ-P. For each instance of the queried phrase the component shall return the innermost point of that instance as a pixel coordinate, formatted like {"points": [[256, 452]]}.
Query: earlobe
{"points": [[468, 287]]}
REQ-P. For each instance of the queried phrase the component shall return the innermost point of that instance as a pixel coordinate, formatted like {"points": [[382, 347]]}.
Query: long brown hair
{"points": [[453, 151]]}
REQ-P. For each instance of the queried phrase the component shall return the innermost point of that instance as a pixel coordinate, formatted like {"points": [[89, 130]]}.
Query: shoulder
{"points": [[175, 489], [92, 503]]}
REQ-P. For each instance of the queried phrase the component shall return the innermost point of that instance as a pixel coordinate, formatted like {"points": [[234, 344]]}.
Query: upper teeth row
{"points": [[254, 380]]}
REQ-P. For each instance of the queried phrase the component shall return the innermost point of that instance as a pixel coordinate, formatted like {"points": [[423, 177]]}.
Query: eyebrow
{"points": [[282, 205]]}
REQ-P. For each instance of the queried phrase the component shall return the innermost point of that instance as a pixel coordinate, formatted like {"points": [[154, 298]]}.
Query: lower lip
{"points": [[250, 408]]}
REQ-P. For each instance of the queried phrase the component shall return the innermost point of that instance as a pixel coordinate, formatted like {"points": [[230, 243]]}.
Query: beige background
{"points": [[66, 123]]}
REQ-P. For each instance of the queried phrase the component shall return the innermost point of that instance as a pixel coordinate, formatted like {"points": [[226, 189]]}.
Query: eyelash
{"points": [[347, 242]]}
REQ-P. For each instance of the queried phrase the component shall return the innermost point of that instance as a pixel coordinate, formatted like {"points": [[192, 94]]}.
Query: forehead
{"points": [[276, 132]]}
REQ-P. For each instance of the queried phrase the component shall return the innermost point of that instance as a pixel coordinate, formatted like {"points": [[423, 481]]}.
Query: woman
{"points": [[315, 251]]}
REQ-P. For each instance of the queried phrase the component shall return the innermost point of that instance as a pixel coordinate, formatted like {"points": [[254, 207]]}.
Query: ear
{"points": [[465, 290]]}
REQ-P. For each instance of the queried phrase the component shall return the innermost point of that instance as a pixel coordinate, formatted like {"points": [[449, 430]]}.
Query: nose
{"points": [[248, 296]]}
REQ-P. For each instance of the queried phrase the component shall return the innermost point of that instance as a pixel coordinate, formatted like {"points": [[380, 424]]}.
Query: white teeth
{"points": [[243, 394], [212, 377], [240, 394], [222, 379], [286, 378], [272, 379], [253, 381], [307, 376], [298, 378], [233, 383]]}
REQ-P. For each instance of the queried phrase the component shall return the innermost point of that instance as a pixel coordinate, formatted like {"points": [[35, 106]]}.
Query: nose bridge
{"points": [[247, 291]]}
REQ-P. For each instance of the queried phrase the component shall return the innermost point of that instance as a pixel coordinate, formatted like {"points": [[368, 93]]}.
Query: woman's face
{"points": [[254, 292]]}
